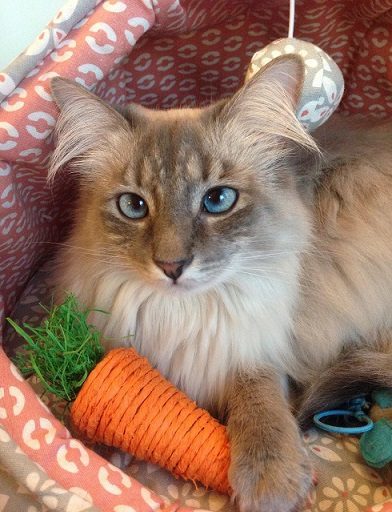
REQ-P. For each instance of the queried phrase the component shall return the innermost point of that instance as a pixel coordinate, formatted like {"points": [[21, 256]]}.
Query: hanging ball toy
{"points": [[323, 84]]}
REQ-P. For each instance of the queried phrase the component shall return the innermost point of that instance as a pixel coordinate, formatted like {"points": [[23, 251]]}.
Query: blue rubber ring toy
{"points": [[359, 416]]}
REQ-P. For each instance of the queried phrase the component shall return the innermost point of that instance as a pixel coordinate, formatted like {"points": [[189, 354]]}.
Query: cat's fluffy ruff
{"points": [[198, 341]]}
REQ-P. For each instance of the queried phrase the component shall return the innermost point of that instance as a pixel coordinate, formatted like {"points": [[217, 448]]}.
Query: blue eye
{"points": [[219, 199], [132, 206]]}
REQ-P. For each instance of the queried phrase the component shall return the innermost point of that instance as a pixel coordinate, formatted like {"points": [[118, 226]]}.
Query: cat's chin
{"points": [[182, 286]]}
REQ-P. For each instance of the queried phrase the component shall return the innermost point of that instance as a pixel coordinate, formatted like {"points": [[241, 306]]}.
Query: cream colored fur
{"points": [[198, 340]]}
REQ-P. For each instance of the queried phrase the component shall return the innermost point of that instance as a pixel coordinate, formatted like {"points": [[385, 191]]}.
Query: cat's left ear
{"points": [[85, 127], [266, 104]]}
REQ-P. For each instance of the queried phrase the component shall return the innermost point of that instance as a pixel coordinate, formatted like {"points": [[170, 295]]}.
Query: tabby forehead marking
{"points": [[188, 158]]}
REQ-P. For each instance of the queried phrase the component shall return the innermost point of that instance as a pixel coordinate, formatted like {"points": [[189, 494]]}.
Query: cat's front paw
{"points": [[270, 481]]}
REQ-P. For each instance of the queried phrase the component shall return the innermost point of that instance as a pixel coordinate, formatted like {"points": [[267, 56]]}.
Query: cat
{"points": [[238, 253]]}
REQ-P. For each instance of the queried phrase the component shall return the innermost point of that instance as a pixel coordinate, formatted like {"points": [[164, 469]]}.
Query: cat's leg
{"points": [[269, 467]]}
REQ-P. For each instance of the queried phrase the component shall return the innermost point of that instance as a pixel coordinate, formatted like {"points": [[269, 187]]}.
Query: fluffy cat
{"points": [[233, 254]]}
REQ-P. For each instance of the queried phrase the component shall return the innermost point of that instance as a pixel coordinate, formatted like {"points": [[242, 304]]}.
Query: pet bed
{"points": [[162, 53]]}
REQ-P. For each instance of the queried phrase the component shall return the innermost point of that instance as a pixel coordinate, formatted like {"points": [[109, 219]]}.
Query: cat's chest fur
{"points": [[199, 340]]}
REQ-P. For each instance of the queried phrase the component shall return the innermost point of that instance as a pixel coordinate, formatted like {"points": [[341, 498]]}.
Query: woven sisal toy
{"points": [[122, 401], [127, 404]]}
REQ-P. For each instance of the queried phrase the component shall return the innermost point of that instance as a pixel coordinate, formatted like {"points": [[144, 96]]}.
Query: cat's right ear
{"points": [[85, 128], [265, 106]]}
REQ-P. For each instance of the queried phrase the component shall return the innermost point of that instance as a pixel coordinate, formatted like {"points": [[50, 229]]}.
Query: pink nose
{"points": [[173, 269]]}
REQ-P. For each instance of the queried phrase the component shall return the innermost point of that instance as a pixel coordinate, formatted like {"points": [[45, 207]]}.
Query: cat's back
{"points": [[354, 150], [354, 193], [347, 279]]}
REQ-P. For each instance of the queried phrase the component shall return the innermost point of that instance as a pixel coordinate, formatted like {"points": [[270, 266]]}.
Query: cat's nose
{"points": [[173, 269]]}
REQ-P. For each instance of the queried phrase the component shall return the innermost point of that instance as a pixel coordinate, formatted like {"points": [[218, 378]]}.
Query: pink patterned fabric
{"points": [[48, 442], [162, 53]]}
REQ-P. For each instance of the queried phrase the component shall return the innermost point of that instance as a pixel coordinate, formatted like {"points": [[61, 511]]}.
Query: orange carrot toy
{"points": [[127, 404], [124, 402]]}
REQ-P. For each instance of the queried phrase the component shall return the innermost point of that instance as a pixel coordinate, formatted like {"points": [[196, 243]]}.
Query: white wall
{"points": [[20, 22]]}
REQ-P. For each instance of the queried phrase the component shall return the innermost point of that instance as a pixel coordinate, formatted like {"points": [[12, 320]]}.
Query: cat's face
{"points": [[181, 212], [187, 199]]}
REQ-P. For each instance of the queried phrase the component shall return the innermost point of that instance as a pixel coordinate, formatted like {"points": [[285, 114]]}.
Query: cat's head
{"points": [[188, 198]]}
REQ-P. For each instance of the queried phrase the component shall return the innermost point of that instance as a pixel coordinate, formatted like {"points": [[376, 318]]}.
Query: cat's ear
{"points": [[266, 104], [285, 73], [86, 126]]}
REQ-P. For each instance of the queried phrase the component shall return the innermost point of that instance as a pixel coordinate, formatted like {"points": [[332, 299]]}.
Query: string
{"points": [[291, 19]]}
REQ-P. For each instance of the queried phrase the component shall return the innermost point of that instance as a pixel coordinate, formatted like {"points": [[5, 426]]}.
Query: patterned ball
{"points": [[323, 85]]}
